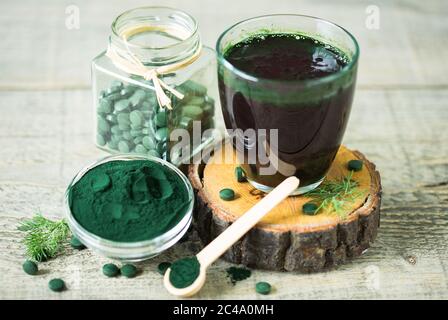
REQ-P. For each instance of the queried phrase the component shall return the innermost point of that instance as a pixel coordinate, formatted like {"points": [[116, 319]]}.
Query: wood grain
{"points": [[399, 120], [286, 238], [403, 52], [287, 216], [38, 158]]}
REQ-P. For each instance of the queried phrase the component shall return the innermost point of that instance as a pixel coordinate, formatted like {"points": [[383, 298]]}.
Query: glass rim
{"points": [[171, 233], [307, 82], [192, 35]]}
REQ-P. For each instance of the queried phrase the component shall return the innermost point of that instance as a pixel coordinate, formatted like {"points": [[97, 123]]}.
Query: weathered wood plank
{"points": [[44, 138], [404, 232], [39, 52], [402, 132]]}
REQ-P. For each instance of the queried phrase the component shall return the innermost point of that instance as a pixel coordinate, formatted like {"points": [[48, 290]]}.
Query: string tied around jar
{"points": [[127, 61]]}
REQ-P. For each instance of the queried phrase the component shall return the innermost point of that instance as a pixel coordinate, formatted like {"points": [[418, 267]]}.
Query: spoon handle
{"points": [[249, 219]]}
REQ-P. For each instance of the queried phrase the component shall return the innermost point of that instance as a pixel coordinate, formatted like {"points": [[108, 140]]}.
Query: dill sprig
{"points": [[336, 195], [44, 238]]}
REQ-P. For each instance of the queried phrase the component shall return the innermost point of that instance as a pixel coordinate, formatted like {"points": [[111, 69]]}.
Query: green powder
{"points": [[236, 274], [162, 267], [184, 272], [110, 270], [128, 201]]}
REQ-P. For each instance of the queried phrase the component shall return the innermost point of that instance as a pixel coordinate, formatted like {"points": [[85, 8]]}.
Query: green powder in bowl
{"points": [[129, 207]]}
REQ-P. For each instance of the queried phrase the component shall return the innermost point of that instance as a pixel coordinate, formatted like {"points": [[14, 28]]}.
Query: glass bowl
{"points": [[129, 251]]}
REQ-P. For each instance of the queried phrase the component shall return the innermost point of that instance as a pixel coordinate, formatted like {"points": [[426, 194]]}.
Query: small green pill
{"points": [[123, 146], [186, 123], [115, 129], [114, 96], [121, 105], [160, 119], [56, 285], [136, 127], [126, 92], [110, 270], [127, 135], [239, 174], [112, 145], [140, 149], [192, 111], [137, 97], [100, 182], [124, 126], [147, 114], [100, 140], [145, 106], [128, 270], [309, 208], [103, 125], [355, 165], [112, 118], [105, 106], [148, 143], [263, 287], [197, 101], [123, 118], [162, 267], [135, 133], [136, 117], [30, 267], [162, 134], [154, 153], [227, 194], [116, 138], [76, 244], [138, 140]]}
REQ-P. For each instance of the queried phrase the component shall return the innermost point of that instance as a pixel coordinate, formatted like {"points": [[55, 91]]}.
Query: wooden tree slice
{"points": [[286, 238]]}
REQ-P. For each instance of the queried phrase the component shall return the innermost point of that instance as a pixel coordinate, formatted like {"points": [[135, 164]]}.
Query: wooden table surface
{"points": [[399, 120]]}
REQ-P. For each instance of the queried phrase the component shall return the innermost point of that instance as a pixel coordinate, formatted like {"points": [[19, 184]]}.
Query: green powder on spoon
{"points": [[184, 272]]}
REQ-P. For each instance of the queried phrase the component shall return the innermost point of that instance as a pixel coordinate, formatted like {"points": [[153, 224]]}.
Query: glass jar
{"points": [[304, 119], [129, 117], [130, 251]]}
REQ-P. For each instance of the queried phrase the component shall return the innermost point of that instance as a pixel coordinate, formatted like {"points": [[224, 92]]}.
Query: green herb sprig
{"points": [[44, 238], [336, 195]]}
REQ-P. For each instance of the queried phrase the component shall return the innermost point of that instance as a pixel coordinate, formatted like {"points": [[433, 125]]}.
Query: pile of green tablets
{"points": [[130, 120]]}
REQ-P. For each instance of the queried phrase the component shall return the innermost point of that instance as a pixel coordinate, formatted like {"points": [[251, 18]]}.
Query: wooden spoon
{"points": [[232, 234]]}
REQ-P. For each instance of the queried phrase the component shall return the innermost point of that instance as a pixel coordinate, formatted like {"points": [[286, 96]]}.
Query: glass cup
{"points": [[281, 128]]}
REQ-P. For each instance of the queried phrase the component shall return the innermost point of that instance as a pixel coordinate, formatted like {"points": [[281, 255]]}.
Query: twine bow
{"points": [[127, 61]]}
